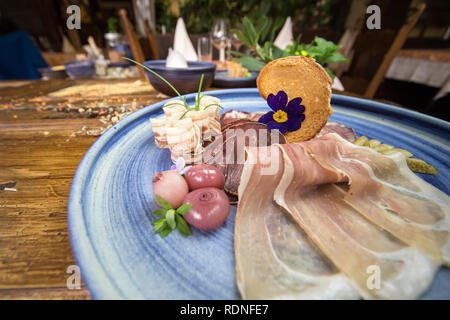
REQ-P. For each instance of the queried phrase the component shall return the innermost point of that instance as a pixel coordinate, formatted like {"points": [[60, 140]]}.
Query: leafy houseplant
{"points": [[323, 51]]}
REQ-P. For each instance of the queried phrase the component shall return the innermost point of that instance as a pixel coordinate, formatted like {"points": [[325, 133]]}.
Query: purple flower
{"points": [[285, 116], [180, 166]]}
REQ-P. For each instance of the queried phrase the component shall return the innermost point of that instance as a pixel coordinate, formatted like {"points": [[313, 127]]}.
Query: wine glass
{"points": [[220, 36], [236, 42]]}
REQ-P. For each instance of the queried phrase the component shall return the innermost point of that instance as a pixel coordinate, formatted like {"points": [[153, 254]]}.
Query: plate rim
{"points": [[99, 284]]}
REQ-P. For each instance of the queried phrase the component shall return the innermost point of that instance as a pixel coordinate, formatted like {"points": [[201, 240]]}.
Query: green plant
{"points": [[199, 15], [113, 25], [321, 50]]}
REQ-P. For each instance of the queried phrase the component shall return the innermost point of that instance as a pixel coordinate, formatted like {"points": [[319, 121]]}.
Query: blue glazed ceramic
{"points": [[185, 80], [48, 73], [80, 69], [221, 80], [111, 202]]}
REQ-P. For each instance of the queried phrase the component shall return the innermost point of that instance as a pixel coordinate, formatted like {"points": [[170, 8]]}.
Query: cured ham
{"points": [[335, 127], [363, 210], [352, 242], [275, 259], [385, 191]]}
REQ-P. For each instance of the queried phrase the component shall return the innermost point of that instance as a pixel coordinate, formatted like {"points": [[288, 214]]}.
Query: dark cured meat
{"points": [[232, 115], [233, 123], [227, 153]]}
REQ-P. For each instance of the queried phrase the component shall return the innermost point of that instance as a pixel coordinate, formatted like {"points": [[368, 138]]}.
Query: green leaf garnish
{"points": [[163, 203], [182, 226], [185, 208], [159, 76], [164, 232], [171, 218], [160, 212], [159, 225]]}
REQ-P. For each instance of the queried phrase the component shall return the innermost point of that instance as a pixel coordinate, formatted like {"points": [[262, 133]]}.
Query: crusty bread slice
{"points": [[300, 77]]}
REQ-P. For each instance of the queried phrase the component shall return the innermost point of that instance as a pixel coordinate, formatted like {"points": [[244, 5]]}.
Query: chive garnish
{"points": [[159, 76]]}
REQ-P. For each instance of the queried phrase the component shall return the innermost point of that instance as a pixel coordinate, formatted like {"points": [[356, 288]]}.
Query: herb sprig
{"points": [[188, 108], [162, 78], [171, 218], [197, 102]]}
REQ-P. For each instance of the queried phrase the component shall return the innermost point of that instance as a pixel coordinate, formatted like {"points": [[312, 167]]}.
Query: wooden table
{"points": [[41, 145]]}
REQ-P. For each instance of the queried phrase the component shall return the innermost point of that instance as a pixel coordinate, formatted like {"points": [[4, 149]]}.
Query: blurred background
{"points": [[406, 61]]}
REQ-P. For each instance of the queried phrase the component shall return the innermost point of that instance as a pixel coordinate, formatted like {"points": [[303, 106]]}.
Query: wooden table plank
{"points": [[45, 294], [39, 152], [41, 158]]}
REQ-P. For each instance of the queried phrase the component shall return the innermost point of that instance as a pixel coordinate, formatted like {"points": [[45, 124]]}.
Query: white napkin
{"points": [[337, 84], [175, 60], [182, 43], [285, 37]]}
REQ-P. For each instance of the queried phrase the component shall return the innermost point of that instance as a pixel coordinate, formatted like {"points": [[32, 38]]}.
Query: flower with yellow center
{"points": [[280, 116], [304, 53], [285, 115]]}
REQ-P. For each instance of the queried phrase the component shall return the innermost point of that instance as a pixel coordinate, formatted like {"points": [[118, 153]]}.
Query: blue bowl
{"points": [[185, 80], [80, 69]]}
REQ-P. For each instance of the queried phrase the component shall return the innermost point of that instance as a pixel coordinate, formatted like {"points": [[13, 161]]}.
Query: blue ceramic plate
{"points": [[221, 80], [111, 202]]}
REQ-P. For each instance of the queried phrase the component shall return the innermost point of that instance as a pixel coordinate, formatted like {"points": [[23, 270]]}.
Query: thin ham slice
{"points": [[389, 194], [345, 224], [275, 259], [366, 212]]}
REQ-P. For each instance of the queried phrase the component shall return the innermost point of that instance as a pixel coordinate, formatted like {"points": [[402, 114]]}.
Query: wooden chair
{"points": [[374, 51], [151, 39], [398, 43], [132, 40]]}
